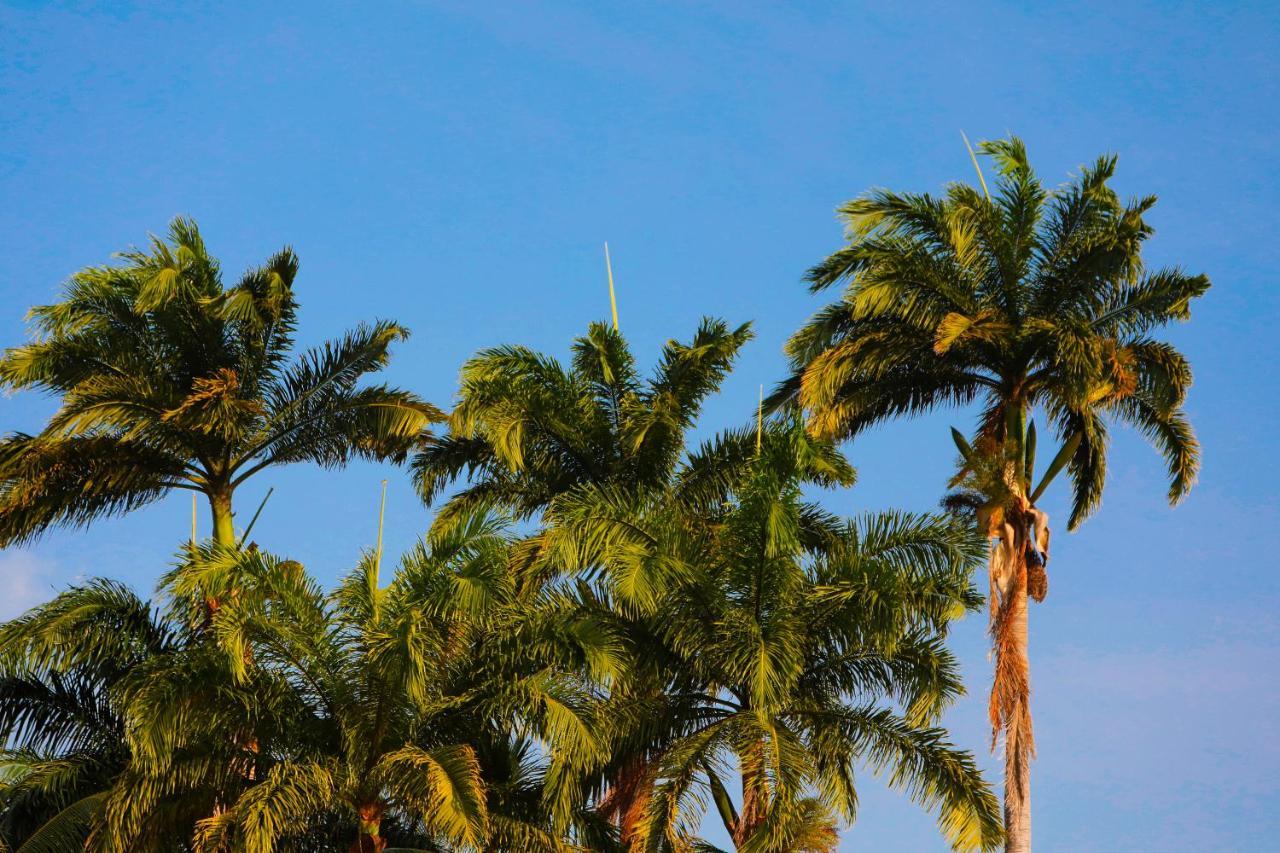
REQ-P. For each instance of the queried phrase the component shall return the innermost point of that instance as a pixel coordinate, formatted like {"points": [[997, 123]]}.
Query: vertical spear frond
{"points": [[974, 157], [613, 299]]}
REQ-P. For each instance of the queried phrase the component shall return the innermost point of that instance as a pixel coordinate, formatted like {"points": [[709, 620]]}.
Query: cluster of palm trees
{"points": [[607, 636]]}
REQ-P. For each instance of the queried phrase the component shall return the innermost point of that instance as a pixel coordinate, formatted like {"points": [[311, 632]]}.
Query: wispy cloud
{"points": [[1188, 736], [25, 580]]}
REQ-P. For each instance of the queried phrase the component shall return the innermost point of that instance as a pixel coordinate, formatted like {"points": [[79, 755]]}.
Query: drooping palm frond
{"points": [[920, 762], [60, 717], [291, 795], [49, 480], [69, 829], [444, 785]]}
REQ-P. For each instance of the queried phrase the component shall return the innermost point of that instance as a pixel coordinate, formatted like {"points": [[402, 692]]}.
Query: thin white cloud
{"points": [[1174, 734], [25, 580]]}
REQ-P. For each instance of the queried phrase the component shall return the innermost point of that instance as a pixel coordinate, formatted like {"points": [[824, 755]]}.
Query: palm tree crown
{"points": [[1030, 297], [371, 675], [167, 379], [526, 429]]}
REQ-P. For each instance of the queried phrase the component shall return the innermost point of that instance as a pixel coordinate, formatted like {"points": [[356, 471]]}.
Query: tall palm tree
{"points": [[1028, 298], [526, 429], [169, 380], [785, 635]]}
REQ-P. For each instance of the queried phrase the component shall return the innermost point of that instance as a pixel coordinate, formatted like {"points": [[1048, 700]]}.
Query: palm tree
{"points": [[526, 429], [1031, 298], [291, 719], [169, 380], [60, 715], [784, 635], [527, 433], [370, 675], [410, 708]]}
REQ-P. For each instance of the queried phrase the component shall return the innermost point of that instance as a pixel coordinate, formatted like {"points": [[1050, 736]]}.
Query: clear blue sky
{"points": [[458, 166]]}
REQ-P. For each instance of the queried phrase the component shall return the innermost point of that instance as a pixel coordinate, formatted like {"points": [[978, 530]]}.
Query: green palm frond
{"points": [[69, 829], [805, 825], [284, 802], [918, 761], [443, 786], [61, 664], [527, 428], [47, 480]]}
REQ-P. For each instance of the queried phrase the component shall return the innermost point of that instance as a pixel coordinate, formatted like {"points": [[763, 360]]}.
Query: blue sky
{"points": [[458, 166]]}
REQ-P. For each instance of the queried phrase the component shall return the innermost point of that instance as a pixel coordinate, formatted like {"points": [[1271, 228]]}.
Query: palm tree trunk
{"points": [[1018, 744], [628, 799], [224, 530], [1010, 707], [367, 843], [370, 839]]}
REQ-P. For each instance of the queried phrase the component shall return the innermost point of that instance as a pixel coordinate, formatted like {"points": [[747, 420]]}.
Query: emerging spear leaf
{"points": [[1064, 455], [962, 444], [1029, 470]]}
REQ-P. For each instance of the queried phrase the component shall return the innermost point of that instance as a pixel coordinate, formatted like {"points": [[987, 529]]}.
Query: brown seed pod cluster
{"points": [[1037, 582]]}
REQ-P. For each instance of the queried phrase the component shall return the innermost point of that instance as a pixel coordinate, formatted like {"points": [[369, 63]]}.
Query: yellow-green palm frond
{"points": [[283, 803], [441, 786]]}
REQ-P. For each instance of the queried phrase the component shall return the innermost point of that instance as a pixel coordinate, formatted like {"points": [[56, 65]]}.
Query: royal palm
{"points": [[1025, 299], [167, 380]]}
